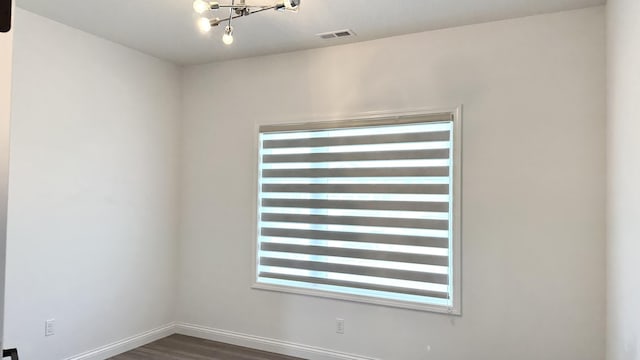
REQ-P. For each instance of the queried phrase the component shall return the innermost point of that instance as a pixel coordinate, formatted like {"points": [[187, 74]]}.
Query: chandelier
{"points": [[237, 8]]}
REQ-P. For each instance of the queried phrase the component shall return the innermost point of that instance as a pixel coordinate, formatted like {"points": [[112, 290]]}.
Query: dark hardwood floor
{"points": [[180, 347]]}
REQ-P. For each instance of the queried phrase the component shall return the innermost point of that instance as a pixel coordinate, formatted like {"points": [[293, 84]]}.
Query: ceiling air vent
{"points": [[336, 34]]}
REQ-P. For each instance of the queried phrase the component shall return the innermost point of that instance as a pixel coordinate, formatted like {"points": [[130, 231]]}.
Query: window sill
{"points": [[361, 299]]}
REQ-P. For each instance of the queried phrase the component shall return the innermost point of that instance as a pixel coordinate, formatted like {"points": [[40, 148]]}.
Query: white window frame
{"points": [[455, 258]]}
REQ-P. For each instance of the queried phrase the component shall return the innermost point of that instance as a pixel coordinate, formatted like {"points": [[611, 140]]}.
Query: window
{"points": [[364, 210]]}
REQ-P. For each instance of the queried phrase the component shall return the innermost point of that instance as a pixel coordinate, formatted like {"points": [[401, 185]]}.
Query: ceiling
{"points": [[166, 28]]}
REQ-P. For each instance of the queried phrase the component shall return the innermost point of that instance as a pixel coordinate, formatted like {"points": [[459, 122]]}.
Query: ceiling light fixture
{"points": [[237, 8]]}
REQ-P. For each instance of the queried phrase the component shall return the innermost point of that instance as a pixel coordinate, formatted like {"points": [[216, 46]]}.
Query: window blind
{"points": [[358, 207]]}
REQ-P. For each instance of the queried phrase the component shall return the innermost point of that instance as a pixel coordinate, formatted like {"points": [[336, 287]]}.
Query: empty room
{"points": [[320, 179]]}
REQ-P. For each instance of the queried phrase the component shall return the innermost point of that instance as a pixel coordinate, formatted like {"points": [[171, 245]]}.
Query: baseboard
{"points": [[127, 344], [230, 337], [265, 344]]}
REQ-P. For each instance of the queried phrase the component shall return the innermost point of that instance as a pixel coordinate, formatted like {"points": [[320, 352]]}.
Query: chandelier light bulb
{"points": [[204, 25], [200, 6], [227, 38]]}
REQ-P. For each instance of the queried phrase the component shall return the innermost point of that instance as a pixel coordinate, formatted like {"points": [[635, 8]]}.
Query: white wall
{"points": [[6, 46], [93, 191], [533, 91], [623, 30]]}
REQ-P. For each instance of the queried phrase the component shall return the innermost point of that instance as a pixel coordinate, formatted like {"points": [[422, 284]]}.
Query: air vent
{"points": [[336, 34]]}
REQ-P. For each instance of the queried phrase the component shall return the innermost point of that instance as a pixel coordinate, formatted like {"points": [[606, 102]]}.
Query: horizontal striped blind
{"points": [[359, 208]]}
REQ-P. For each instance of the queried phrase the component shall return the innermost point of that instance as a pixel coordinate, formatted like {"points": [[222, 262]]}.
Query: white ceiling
{"points": [[166, 28]]}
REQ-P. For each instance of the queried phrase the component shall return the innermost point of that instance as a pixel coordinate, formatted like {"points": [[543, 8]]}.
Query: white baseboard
{"points": [[229, 337], [127, 344], [265, 344]]}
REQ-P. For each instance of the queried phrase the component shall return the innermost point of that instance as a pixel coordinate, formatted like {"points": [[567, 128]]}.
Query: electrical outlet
{"points": [[340, 326], [50, 327]]}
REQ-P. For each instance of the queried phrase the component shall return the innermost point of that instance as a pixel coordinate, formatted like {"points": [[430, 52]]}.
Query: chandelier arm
{"points": [[231, 12], [263, 9], [239, 6], [227, 18], [239, 16]]}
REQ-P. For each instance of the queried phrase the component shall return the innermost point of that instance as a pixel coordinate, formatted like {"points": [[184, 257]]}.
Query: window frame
{"points": [[455, 258]]}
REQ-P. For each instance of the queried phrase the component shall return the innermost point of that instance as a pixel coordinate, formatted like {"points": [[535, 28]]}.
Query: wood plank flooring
{"points": [[180, 347]]}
